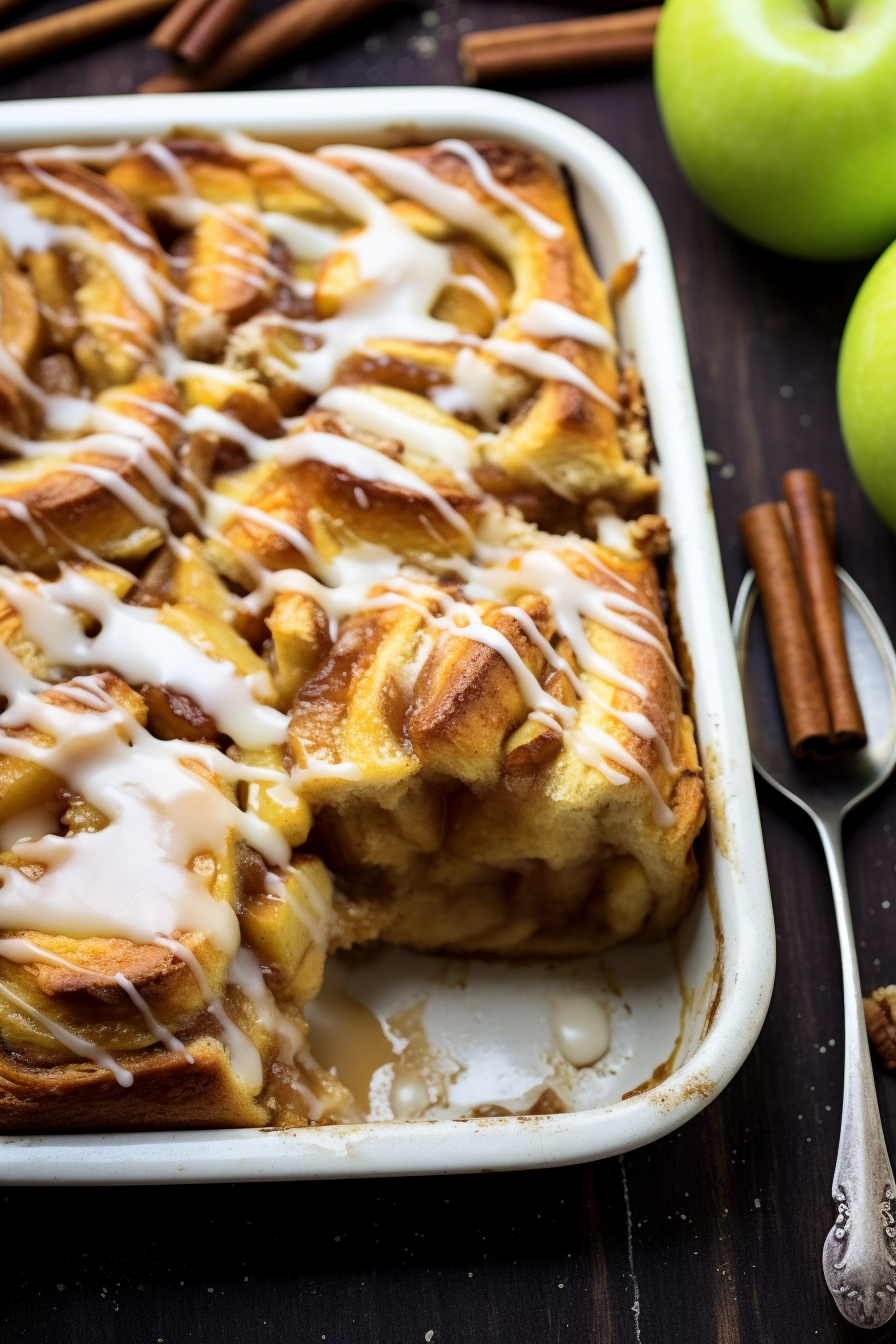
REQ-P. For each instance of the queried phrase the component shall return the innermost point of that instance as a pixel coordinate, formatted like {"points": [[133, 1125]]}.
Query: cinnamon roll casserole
{"points": [[329, 609]]}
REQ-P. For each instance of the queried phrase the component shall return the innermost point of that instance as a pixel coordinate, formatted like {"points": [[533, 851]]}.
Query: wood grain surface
{"points": [[710, 1236]]}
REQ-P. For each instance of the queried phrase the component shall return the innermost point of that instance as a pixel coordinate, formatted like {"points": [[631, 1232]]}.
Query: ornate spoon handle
{"points": [[859, 1256]]}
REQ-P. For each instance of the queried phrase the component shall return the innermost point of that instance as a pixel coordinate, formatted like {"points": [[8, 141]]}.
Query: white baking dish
{"points": [[714, 980]]}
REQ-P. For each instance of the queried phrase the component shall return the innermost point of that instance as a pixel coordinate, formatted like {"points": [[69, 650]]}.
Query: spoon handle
{"points": [[859, 1256]]}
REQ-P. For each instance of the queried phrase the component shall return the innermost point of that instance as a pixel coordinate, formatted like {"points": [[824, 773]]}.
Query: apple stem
{"points": [[826, 15]]}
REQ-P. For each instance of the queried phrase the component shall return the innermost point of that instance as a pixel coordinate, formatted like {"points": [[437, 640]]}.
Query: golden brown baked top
{"points": [[328, 533]]}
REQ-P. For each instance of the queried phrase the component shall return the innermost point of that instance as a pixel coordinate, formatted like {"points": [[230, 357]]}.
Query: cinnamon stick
{"points": [[787, 523], [797, 670], [608, 41], [803, 493], [829, 507], [176, 24], [43, 37], [274, 37], [212, 28], [829, 512]]}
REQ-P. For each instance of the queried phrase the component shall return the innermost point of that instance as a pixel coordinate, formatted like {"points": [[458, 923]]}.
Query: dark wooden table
{"points": [[713, 1234]]}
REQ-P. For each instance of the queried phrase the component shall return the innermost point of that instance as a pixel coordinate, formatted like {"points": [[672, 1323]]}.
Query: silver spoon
{"points": [[859, 1256]]}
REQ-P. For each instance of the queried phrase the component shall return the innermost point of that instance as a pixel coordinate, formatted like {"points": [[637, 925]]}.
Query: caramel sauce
{"points": [[345, 1035]]}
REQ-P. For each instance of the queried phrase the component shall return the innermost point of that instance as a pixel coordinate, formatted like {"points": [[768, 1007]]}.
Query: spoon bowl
{"points": [[859, 1256], [843, 784]]}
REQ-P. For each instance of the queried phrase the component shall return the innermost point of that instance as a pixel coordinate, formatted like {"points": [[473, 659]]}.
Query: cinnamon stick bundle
{"points": [[275, 36], [42, 37], [793, 651], [607, 41], [803, 493], [790, 545]]}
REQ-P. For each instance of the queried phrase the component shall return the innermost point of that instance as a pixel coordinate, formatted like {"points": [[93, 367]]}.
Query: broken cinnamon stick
{"points": [[803, 493], [608, 41], [797, 669], [43, 37], [274, 37]]}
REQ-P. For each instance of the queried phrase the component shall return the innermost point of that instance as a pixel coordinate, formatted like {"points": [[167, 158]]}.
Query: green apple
{"points": [[866, 386], [782, 113]]}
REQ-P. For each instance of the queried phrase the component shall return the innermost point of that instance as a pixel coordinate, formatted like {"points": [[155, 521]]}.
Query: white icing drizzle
{"points": [[221, 268], [244, 1056], [567, 593], [168, 161], [636, 722], [411, 271], [332, 449], [595, 747], [331, 182], [77, 1044], [16, 509], [440, 443], [474, 387], [95, 156], [22, 950], [547, 228], [412, 179], [314, 914], [477, 287], [139, 237], [22, 231], [246, 975], [545, 364], [403, 274], [149, 790], [162, 1034], [168, 813], [551, 321], [128, 494], [141, 649], [304, 240]]}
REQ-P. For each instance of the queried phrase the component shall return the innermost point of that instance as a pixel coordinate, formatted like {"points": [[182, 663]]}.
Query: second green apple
{"points": [[866, 386]]}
